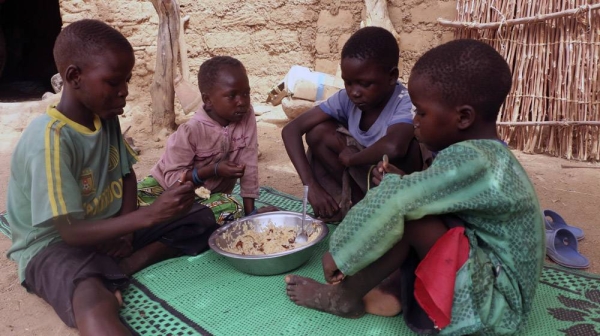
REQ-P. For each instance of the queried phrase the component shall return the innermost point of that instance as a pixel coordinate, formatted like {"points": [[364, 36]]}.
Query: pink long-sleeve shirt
{"points": [[201, 142]]}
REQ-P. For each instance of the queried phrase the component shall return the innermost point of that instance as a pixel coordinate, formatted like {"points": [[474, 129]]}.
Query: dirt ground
{"points": [[574, 193]]}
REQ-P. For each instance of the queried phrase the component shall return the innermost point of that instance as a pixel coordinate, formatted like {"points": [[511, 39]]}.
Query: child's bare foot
{"points": [[379, 302], [119, 297], [328, 298]]}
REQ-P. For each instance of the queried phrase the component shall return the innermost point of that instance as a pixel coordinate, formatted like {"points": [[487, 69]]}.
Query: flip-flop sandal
{"points": [[277, 93], [558, 222], [561, 247]]}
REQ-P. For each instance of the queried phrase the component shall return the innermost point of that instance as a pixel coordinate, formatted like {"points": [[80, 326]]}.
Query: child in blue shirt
{"points": [[354, 128]]}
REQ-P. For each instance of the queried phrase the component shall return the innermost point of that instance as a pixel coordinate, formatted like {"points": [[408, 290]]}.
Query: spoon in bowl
{"points": [[302, 237]]}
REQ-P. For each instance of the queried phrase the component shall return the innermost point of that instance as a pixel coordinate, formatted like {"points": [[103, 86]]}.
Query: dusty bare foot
{"points": [[378, 302], [119, 297], [327, 298]]}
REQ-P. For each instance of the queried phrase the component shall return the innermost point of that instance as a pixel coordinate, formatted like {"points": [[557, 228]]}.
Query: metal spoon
{"points": [[386, 161], [302, 237]]}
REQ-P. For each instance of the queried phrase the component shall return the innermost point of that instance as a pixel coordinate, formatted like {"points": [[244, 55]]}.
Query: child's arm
{"points": [[395, 144], [129, 193], [292, 134], [249, 206], [121, 247], [204, 173], [383, 168], [173, 202], [179, 156], [248, 159], [460, 180]]}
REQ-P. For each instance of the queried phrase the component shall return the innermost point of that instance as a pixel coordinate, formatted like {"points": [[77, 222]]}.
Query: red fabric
{"points": [[436, 275]]}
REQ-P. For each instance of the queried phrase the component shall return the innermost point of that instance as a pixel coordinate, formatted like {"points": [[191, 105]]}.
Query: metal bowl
{"points": [[268, 264]]}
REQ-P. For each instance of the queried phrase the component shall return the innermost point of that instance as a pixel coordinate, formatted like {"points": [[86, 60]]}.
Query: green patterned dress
{"points": [[482, 183], [225, 207]]}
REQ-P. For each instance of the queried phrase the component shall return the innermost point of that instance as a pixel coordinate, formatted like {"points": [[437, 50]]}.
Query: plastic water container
{"points": [[303, 83]]}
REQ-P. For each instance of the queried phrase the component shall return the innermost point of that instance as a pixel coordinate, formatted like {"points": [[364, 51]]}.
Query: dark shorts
{"points": [[53, 274], [414, 315]]}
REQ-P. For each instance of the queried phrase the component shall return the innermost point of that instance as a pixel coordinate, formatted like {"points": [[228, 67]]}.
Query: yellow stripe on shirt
{"points": [[130, 150], [59, 192], [49, 175], [54, 113]]}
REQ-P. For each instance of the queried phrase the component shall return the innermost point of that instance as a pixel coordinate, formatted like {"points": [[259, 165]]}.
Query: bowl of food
{"points": [[264, 244]]}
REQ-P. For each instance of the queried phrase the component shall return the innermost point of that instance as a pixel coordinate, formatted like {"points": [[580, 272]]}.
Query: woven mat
{"points": [[204, 295]]}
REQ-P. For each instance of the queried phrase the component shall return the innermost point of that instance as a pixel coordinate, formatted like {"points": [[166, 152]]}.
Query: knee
{"points": [[424, 231], [91, 296], [89, 284], [411, 161], [320, 134], [202, 215], [202, 222], [426, 223], [96, 309]]}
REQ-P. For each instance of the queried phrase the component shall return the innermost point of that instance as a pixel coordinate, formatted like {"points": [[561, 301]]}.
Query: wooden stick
{"points": [[548, 123], [574, 166], [184, 66], [513, 22], [377, 15], [167, 50]]}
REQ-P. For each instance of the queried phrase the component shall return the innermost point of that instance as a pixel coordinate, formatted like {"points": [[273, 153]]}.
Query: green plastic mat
{"points": [[217, 299], [204, 295]]}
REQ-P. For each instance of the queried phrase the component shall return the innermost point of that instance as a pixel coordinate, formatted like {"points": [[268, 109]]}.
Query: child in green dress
{"points": [[467, 234]]}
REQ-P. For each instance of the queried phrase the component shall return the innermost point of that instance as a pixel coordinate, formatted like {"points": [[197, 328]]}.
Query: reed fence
{"points": [[553, 49]]}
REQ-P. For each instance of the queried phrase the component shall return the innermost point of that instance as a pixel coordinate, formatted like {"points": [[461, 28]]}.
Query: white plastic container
{"points": [[303, 83]]}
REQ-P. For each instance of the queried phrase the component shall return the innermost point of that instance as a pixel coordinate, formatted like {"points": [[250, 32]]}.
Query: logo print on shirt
{"points": [[113, 158], [87, 182]]}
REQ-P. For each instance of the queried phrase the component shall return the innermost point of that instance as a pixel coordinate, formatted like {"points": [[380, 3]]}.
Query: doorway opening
{"points": [[28, 29]]}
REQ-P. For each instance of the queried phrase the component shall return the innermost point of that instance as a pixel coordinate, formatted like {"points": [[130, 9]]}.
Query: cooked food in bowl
{"points": [[224, 240], [267, 239]]}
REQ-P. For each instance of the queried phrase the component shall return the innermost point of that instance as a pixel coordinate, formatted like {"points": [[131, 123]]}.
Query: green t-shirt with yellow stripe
{"points": [[60, 167]]}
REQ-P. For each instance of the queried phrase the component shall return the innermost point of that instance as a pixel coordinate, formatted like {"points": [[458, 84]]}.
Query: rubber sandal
{"points": [[558, 222], [277, 93], [561, 247]]}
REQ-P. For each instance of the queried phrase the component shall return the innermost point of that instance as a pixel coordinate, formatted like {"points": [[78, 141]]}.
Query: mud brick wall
{"points": [[268, 36]]}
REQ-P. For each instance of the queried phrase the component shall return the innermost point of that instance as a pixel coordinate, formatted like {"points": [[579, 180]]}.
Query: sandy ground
{"points": [[574, 193]]}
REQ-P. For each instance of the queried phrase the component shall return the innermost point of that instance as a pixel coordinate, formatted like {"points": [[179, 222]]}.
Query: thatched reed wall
{"points": [[553, 48]]}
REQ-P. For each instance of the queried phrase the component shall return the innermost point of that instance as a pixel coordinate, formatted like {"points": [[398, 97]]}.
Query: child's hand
{"points": [[323, 204], [383, 168], [175, 201], [330, 270], [229, 169], [269, 208]]}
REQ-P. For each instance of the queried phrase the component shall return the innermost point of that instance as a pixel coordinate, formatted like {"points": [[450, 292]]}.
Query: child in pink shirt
{"points": [[219, 144]]}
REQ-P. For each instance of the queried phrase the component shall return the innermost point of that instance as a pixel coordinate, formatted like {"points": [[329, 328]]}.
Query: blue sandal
{"points": [[561, 247], [557, 222]]}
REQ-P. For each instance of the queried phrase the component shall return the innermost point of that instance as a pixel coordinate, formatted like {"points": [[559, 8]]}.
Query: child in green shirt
{"points": [[76, 229]]}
